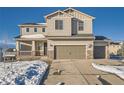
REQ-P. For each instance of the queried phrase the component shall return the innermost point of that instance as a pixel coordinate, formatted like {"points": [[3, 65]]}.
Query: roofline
{"points": [[30, 39], [79, 12], [53, 13], [56, 12], [62, 11], [68, 38], [57, 38], [32, 25], [108, 41]]}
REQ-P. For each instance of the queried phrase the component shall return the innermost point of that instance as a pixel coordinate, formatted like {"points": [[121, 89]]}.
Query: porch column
{"points": [[33, 48], [107, 51], [17, 47]]}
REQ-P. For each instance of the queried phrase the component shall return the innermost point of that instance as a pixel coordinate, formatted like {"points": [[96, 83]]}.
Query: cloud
{"points": [[1, 41], [8, 42]]}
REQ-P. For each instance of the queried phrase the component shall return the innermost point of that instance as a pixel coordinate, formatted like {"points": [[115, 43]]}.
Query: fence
{"points": [[29, 53], [25, 53]]}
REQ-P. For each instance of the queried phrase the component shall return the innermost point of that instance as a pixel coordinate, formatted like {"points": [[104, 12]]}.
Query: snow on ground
{"points": [[122, 60], [117, 70], [22, 72], [33, 36]]}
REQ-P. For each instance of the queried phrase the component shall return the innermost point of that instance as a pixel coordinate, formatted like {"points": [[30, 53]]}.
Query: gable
{"points": [[70, 12], [57, 13], [77, 14]]}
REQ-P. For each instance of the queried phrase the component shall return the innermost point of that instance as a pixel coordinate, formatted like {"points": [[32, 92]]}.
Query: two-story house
{"points": [[66, 34]]}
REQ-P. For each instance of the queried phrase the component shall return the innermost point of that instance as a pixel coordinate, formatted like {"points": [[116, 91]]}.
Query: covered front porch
{"points": [[31, 47]]}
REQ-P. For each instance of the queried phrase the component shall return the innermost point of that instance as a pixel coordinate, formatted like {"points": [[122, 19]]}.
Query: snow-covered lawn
{"points": [[22, 72], [117, 70]]}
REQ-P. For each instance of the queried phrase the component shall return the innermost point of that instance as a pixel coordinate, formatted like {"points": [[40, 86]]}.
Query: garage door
{"points": [[70, 52], [99, 52]]}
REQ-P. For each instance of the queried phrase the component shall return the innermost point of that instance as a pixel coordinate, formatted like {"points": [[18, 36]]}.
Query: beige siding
{"points": [[78, 15], [87, 22], [87, 27], [67, 31], [31, 30], [66, 26]]}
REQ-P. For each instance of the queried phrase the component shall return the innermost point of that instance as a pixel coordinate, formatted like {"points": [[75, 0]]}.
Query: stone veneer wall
{"points": [[89, 54], [50, 54]]}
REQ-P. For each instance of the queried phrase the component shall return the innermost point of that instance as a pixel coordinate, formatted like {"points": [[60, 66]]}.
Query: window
{"points": [[39, 46], [43, 29], [58, 24], [27, 29], [35, 29], [80, 25]]}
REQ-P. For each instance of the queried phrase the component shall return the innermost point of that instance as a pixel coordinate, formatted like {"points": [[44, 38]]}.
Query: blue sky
{"points": [[109, 21]]}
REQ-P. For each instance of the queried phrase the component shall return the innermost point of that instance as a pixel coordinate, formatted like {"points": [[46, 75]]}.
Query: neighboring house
{"points": [[9, 54], [67, 34], [101, 47], [114, 48]]}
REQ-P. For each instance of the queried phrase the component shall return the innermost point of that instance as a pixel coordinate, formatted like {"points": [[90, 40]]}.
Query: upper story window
{"points": [[27, 29], [80, 25], [35, 29], [58, 24], [43, 29]]}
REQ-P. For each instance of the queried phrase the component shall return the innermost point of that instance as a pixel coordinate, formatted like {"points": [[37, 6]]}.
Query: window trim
{"points": [[43, 29], [80, 25], [27, 29], [59, 25], [35, 29]]}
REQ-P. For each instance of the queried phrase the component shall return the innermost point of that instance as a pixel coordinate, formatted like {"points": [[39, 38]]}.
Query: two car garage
{"points": [[79, 49], [70, 52], [77, 52]]}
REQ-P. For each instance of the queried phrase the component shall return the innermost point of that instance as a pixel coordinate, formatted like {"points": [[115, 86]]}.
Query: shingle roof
{"points": [[115, 43], [29, 24], [63, 11], [34, 24], [10, 50], [101, 38], [18, 36], [84, 35]]}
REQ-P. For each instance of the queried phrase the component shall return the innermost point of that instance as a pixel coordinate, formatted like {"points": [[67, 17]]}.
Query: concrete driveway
{"points": [[81, 72]]}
